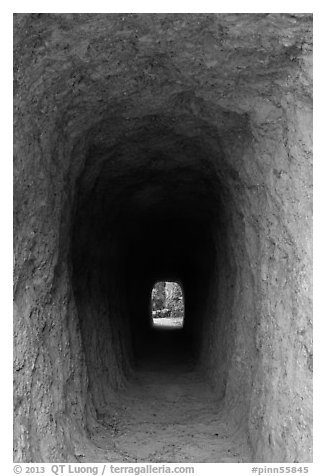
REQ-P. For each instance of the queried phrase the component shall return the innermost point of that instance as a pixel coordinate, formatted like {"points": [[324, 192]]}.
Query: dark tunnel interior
{"points": [[137, 226]]}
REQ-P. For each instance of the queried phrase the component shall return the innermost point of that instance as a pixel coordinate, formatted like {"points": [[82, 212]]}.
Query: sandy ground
{"points": [[167, 413], [168, 322]]}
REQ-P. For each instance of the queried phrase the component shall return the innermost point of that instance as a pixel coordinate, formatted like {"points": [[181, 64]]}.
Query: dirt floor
{"points": [[168, 322], [167, 413]]}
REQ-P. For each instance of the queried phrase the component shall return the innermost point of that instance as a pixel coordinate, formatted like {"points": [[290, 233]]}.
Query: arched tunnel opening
{"points": [[167, 306], [153, 147]]}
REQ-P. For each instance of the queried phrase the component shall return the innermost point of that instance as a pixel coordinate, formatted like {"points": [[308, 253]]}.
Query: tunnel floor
{"points": [[166, 413]]}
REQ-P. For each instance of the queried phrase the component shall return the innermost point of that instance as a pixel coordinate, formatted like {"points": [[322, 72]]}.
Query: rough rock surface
{"points": [[128, 126]]}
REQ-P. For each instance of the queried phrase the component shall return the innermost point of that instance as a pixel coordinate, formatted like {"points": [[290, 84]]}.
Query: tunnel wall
{"points": [[50, 380], [254, 134], [100, 295], [258, 349]]}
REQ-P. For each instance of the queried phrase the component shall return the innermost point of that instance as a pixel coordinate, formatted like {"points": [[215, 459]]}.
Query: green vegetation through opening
{"points": [[167, 304]]}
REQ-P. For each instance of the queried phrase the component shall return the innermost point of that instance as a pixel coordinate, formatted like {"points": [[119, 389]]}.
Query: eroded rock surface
{"points": [[128, 126]]}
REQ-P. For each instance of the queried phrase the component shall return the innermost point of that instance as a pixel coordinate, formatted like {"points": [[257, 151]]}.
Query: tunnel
{"points": [[162, 147]]}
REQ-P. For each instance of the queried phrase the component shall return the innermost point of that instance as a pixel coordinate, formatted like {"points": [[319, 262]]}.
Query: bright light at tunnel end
{"points": [[167, 305]]}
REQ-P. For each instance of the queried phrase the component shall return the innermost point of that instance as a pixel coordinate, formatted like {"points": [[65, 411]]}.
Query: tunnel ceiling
{"points": [[151, 101], [156, 83]]}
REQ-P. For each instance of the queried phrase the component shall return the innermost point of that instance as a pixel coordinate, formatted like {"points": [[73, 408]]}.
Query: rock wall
{"points": [[127, 126]]}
